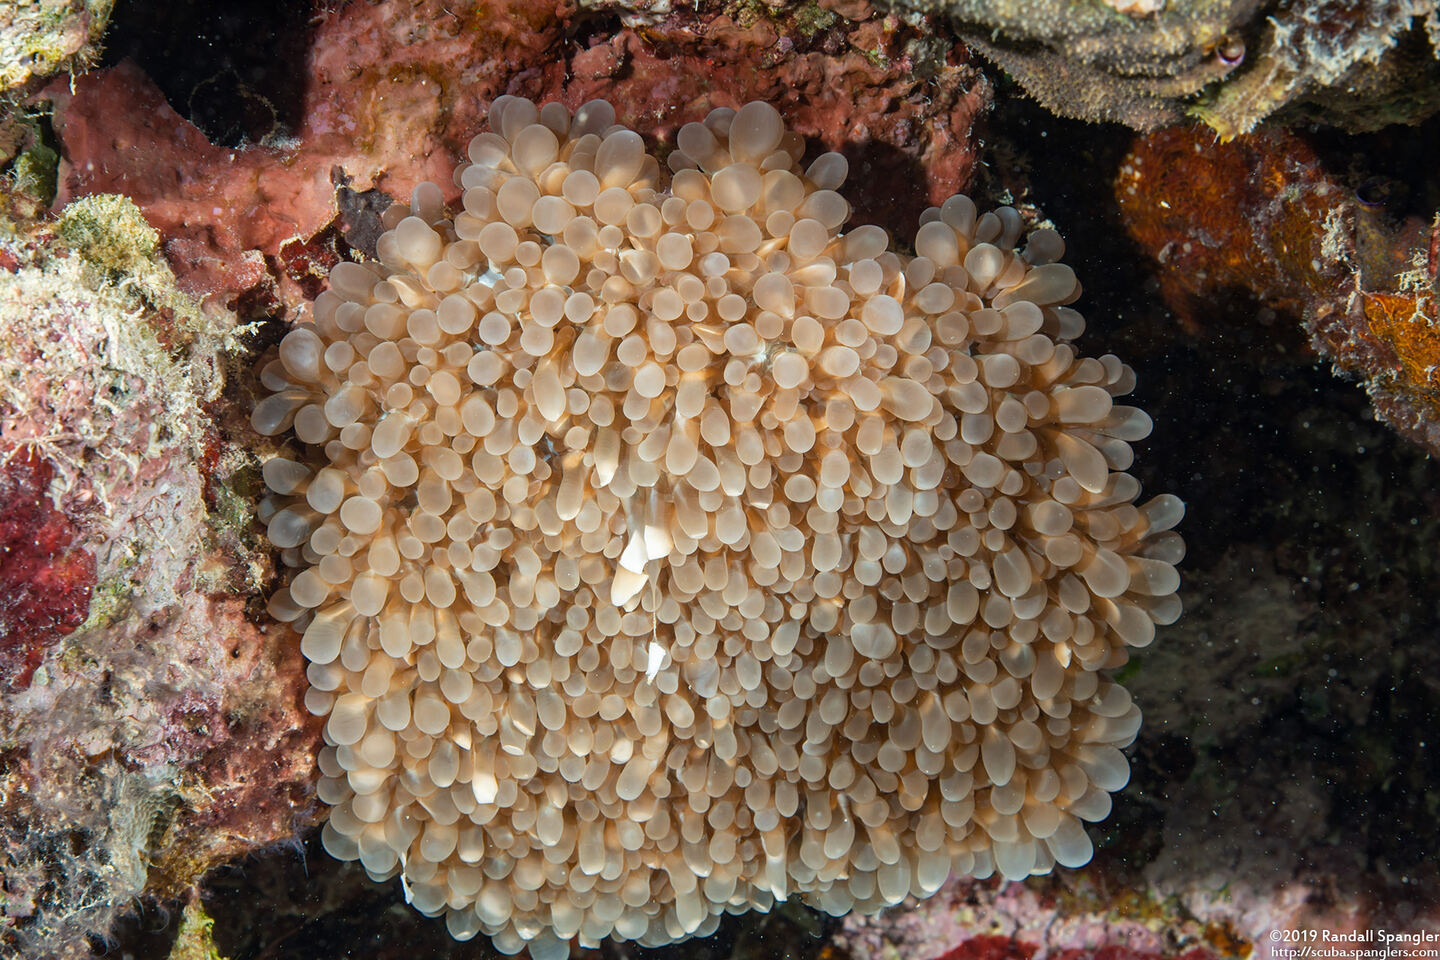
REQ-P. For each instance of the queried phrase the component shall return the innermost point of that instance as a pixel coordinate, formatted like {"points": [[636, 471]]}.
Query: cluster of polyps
{"points": [[665, 552]]}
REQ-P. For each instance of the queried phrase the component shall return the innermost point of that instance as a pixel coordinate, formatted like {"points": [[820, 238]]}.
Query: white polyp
{"points": [[285, 476], [352, 281], [755, 131], [828, 171], [736, 187], [619, 159]]}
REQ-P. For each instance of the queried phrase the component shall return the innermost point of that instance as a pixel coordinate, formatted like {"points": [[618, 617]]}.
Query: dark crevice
{"points": [[235, 70]]}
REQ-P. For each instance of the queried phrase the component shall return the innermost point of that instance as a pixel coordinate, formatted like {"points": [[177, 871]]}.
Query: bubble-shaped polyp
{"points": [[664, 552]]}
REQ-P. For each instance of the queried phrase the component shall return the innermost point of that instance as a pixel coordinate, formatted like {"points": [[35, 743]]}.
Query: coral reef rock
{"points": [[395, 89], [147, 729], [40, 38], [1230, 62], [1261, 218]]}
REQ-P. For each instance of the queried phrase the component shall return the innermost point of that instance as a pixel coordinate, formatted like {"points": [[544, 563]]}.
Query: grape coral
{"points": [[664, 552]]}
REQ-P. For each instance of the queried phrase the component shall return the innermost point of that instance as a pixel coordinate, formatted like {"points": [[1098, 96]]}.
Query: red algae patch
{"points": [[45, 577], [120, 136], [990, 947]]}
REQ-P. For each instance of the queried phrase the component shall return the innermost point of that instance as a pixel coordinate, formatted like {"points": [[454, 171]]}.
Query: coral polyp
{"points": [[664, 551]]}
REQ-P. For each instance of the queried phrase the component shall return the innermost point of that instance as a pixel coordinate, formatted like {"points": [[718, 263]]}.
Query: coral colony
{"points": [[664, 552]]}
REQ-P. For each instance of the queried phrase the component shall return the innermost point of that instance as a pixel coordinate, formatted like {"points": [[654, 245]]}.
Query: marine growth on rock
{"points": [[663, 552]]}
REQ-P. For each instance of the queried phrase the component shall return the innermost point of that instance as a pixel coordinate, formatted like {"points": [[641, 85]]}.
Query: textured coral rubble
{"points": [[665, 552], [1231, 62], [41, 39]]}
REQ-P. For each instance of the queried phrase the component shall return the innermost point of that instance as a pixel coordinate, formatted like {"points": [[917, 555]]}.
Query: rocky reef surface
{"points": [[150, 725], [1231, 63], [165, 216]]}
